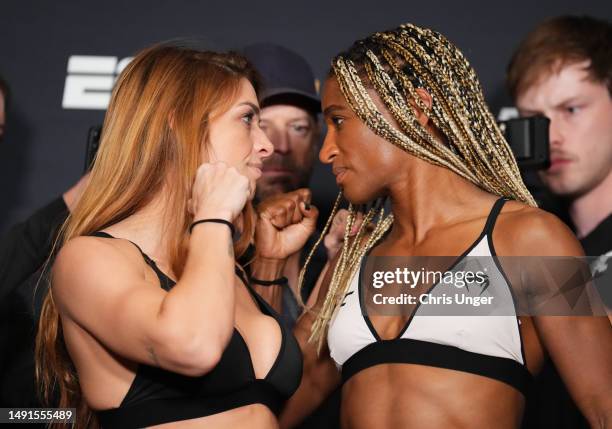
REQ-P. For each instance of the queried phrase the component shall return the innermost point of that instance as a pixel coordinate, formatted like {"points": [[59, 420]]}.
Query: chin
{"points": [[357, 197]]}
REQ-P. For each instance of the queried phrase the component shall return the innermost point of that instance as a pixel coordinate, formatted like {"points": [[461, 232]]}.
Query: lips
{"points": [[558, 163], [339, 172], [256, 167]]}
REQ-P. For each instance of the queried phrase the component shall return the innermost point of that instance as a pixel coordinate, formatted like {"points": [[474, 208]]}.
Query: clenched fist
{"points": [[219, 191], [284, 223]]}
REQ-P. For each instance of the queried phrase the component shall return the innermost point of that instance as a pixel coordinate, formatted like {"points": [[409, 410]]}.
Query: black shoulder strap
{"points": [[488, 229], [101, 234], [164, 281]]}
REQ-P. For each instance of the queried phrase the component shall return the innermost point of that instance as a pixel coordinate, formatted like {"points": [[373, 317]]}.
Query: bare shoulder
{"points": [[522, 230], [90, 262]]}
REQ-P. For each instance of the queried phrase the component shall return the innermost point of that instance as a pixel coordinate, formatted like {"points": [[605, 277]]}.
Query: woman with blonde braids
{"points": [[407, 121]]}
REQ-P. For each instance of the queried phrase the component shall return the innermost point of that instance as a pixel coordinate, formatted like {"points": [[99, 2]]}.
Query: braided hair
{"points": [[395, 64]]}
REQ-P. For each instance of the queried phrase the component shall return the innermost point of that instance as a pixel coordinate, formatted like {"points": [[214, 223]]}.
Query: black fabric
{"points": [[549, 404], [437, 355], [27, 245], [23, 251], [166, 410], [158, 396], [327, 415], [599, 244], [599, 241]]}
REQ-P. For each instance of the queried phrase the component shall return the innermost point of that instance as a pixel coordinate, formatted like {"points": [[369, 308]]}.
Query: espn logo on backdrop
{"points": [[90, 81]]}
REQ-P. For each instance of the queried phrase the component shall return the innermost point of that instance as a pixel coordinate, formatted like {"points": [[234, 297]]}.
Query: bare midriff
{"points": [[391, 396], [256, 416]]}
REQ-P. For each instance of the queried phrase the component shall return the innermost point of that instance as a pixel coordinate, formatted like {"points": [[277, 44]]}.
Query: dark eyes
{"points": [[572, 109], [336, 121]]}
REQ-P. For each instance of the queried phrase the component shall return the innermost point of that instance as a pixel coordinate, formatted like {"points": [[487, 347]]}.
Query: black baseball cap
{"points": [[287, 77]]}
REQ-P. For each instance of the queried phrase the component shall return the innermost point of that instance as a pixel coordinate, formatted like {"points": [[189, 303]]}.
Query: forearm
{"points": [[599, 413], [269, 269], [308, 397], [320, 377], [580, 348], [314, 295], [606, 421], [201, 304]]}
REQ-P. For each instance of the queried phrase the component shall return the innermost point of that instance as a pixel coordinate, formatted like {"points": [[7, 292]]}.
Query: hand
{"points": [[284, 224], [335, 237], [219, 191]]}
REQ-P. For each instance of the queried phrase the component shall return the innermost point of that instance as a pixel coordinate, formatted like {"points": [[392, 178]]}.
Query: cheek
{"points": [[231, 146], [303, 151], [592, 136]]}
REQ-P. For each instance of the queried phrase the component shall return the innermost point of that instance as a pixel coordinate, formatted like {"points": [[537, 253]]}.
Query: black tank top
{"points": [[159, 396]]}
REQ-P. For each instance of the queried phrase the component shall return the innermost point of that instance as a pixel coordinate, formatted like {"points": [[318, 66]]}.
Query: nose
{"points": [[263, 145], [329, 149]]}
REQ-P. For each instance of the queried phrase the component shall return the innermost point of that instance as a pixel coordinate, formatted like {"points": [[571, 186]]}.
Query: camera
{"points": [[528, 139]]}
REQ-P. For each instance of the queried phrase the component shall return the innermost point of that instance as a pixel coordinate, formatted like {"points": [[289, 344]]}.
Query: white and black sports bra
{"points": [[483, 344]]}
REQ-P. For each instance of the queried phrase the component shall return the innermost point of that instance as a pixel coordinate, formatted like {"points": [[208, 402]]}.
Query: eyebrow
{"points": [[252, 106], [331, 109], [570, 100], [564, 102]]}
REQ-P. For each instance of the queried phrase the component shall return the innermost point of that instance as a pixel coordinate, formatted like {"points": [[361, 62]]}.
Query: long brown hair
{"points": [[154, 131]]}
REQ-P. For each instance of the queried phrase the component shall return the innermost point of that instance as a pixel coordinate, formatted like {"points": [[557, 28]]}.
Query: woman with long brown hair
{"points": [[407, 122], [149, 320]]}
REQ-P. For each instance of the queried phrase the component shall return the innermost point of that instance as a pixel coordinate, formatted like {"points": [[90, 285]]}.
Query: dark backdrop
{"points": [[45, 143]]}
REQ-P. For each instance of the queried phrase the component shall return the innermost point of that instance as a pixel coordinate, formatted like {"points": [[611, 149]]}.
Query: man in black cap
{"points": [[289, 116], [290, 106]]}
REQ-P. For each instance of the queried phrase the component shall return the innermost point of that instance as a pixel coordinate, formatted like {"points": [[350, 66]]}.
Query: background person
{"points": [[23, 251], [290, 108], [563, 70]]}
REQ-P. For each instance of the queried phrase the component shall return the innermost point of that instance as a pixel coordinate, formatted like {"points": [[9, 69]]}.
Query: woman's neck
{"points": [[429, 197]]}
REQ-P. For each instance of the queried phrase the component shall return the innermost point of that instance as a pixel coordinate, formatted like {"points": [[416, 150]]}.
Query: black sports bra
{"points": [[159, 396]]}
